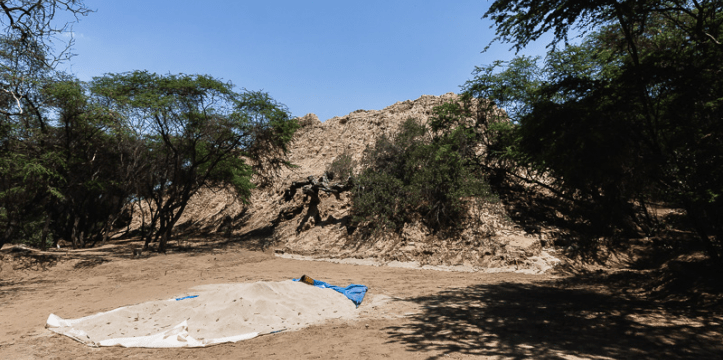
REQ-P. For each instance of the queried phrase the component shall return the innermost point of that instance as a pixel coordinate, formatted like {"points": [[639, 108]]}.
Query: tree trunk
{"points": [[8, 233], [74, 234], [107, 229], [164, 231], [164, 241], [128, 228], [81, 239], [698, 217], [172, 222], [44, 234], [151, 227]]}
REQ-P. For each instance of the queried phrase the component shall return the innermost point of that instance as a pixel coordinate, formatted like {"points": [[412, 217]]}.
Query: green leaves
{"points": [[192, 132], [512, 89], [632, 113], [415, 175], [523, 21], [73, 155], [129, 136]]}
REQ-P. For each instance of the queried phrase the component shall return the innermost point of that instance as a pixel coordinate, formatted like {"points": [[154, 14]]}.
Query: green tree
{"points": [[92, 185], [73, 155], [28, 57], [420, 173], [632, 113], [194, 130]]}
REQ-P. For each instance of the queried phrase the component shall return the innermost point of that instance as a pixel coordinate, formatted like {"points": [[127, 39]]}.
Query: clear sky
{"points": [[325, 57]]}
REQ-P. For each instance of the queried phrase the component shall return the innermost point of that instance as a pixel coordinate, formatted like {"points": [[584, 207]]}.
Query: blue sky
{"points": [[325, 57]]}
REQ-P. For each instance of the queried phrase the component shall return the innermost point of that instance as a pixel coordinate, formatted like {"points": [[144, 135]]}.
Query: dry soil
{"points": [[407, 314]]}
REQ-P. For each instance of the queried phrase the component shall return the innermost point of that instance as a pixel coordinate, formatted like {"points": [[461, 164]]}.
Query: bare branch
{"points": [[712, 38], [20, 108]]}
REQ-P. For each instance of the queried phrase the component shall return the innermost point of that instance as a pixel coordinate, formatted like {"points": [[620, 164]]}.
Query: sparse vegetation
{"points": [[74, 155], [341, 168], [417, 174]]}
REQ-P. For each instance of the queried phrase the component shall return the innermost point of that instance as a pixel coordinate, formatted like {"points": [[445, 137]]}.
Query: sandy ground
{"points": [[407, 314]]}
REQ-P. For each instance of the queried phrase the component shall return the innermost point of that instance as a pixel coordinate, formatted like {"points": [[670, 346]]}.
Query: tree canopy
{"points": [[74, 155], [194, 129], [631, 114], [423, 172]]}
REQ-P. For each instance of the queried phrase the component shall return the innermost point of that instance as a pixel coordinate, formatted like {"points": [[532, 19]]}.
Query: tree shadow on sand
{"points": [[544, 321]]}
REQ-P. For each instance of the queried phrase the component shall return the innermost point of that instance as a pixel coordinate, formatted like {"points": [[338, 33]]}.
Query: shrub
{"points": [[417, 174], [342, 168]]}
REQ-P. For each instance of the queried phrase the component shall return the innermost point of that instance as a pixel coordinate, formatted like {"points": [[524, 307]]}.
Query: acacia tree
{"points": [[91, 147], [28, 55], [73, 155], [635, 112], [28, 58], [194, 131]]}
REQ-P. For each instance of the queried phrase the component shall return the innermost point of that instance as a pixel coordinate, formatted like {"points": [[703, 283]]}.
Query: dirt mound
{"points": [[297, 223]]}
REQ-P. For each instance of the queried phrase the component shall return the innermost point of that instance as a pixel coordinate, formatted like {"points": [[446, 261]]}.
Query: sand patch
{"points": [[219, 313], [534, 265]]}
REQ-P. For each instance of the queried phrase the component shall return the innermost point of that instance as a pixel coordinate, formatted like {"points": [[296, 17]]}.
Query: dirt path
{"points": [[408, 314]]}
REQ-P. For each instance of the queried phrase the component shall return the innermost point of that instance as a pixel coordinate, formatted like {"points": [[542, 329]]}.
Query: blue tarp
{"points": [[354, 292]]}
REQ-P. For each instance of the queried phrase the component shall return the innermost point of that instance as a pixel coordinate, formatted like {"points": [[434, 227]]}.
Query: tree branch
{"points": [[712, 38], [20, 108]]}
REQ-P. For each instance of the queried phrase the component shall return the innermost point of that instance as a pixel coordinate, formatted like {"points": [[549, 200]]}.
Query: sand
{"points": [[218, 311], [536, 265], [407, 314]]}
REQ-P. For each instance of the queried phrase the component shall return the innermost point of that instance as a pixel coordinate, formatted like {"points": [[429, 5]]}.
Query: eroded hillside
{"points": [[293, 222]]}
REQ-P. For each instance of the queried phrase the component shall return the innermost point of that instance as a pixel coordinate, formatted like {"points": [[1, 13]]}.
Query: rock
{"points": [[309, 120]]}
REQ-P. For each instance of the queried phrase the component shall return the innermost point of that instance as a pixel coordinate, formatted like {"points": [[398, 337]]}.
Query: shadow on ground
{"points": [[546, 321], [23, 258]]}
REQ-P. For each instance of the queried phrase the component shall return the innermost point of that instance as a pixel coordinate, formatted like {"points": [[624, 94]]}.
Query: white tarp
{"points": [[217, 314]]}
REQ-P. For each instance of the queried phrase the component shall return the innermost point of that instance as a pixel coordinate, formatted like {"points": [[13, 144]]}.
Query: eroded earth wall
{"points": [[319, 226]]}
